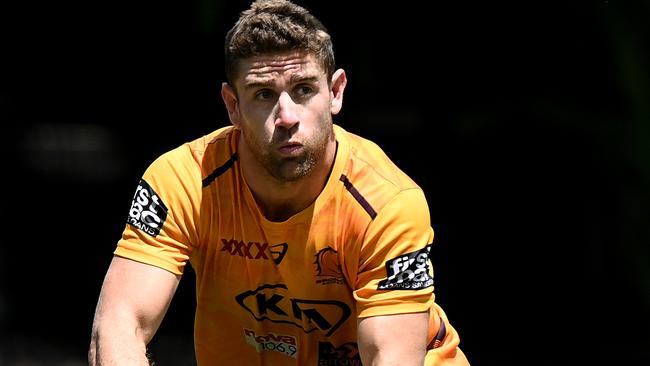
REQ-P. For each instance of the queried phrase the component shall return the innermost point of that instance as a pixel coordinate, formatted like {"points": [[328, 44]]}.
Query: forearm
{"points": [[113, 347], [131, 306]]}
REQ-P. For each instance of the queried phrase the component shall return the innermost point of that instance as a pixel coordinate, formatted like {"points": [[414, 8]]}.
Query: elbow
{"points": [[93, 349]]}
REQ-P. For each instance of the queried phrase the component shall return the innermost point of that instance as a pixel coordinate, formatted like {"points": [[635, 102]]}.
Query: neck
{"points": [[279, 200]]}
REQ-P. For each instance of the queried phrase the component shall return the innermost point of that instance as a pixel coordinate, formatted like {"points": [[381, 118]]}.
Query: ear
{"points": [[230, 100], [339, 81]]}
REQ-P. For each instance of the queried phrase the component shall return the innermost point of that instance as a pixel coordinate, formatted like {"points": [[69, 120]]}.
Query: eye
{"points": [[264, 94], [304, 90]]}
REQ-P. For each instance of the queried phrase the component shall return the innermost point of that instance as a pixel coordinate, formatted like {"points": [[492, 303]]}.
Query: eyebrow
{"points": [[295, 79], [257, 84], [303, 79]]}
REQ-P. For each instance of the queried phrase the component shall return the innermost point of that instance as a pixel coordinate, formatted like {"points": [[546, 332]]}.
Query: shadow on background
{"points": [[527, 126]]}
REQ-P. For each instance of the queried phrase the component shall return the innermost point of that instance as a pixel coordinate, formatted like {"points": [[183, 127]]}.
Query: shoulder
{"points": [[197, 156], [183, 168], [369, 159], [372, 173]]}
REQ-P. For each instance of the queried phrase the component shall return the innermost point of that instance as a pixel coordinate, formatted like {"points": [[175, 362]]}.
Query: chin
{"points": [[293, 172]]}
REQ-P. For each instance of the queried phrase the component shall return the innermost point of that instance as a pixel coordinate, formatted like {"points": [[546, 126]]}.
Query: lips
{"points": [[290, 148]]}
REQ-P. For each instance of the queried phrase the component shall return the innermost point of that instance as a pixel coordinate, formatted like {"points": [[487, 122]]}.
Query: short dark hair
{"points": [[276, 26]]}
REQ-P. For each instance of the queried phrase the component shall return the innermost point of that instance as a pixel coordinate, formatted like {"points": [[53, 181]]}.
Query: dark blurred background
{"points": [[526, 123]]}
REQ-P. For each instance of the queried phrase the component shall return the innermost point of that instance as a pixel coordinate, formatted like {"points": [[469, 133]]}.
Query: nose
{"points": [[287, 112]]}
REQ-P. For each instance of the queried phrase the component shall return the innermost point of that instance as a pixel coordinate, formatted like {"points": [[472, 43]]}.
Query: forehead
{"points": [[268, 68]]}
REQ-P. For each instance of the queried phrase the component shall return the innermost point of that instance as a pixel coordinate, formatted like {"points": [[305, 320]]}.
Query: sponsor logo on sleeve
{"points": [[280, 343], [410, 271], [148, 212], [345, 355]]}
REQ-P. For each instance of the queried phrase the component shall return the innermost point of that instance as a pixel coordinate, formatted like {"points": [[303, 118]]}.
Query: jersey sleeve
{"points": [[160, 228], [395, 273]]}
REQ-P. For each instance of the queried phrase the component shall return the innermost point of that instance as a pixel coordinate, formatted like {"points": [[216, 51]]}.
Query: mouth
{"points": [[290, 148]]}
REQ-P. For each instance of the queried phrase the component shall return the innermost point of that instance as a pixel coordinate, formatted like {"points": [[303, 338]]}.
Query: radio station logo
{"points": [[272, 342]]}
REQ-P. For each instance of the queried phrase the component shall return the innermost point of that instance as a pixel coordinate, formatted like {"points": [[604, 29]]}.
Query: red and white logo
{"points": [[255, 250], [280, 343]]}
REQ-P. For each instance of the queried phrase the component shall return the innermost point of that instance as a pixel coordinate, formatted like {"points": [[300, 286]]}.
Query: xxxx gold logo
{"points": [[328, 267], [255, 250]]}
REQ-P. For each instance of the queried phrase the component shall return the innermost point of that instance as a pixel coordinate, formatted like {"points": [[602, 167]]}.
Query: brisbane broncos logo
{"points": [[327, 265]]}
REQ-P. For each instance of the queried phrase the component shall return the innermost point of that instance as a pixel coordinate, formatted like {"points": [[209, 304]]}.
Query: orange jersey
{"points": [[288, 293]]}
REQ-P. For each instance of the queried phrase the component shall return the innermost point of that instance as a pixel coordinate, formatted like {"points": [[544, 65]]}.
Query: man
{"points": [[309, 246]]}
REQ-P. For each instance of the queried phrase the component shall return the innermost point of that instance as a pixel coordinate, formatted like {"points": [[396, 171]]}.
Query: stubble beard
{"points": [[292, 169]]}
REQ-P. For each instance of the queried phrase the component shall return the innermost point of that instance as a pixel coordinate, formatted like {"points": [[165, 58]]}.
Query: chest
{"points": [[293, 273]]}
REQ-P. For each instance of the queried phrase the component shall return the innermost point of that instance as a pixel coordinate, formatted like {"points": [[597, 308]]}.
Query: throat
{"points": [[279, 201], [280, 214], [281, 204]]}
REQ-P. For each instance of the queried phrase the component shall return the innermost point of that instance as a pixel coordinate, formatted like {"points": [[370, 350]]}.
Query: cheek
{"points": [[257, 131], [257, 122]]}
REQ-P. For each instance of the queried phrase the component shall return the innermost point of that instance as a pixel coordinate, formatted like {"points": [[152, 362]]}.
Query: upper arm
{"points": [[394, 271], [135, 295], [399, 339]]}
